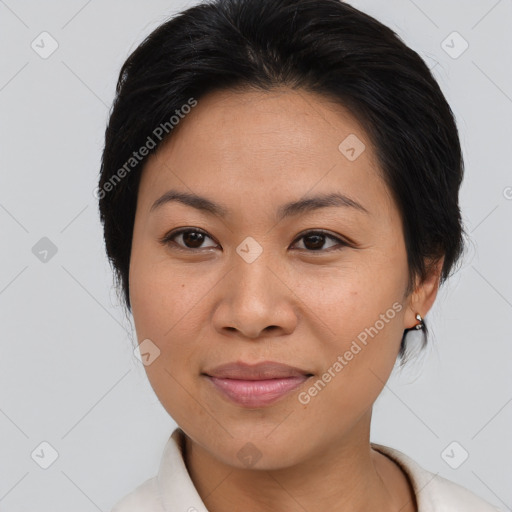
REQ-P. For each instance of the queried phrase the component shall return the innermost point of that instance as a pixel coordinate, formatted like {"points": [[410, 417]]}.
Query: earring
{"points": [[420, 320]]}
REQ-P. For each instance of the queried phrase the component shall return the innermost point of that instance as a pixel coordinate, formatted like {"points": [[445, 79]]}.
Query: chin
{"points": [[265, 450]]}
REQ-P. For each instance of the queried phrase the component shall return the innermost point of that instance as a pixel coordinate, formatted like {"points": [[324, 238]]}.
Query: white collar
{"points": [[433, 493]]}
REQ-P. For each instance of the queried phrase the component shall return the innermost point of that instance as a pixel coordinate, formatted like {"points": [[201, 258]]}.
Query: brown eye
{"points": [[315, 241], [193, 239], [187, 238]]}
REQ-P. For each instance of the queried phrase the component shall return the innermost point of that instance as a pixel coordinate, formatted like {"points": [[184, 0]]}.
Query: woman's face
{"points": [[260, 284]]}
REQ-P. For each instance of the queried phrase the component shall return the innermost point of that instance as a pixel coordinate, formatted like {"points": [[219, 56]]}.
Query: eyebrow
{"points": [[286, 210]]}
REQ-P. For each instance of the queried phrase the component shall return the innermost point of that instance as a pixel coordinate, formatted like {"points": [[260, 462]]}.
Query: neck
{"points": [[348, 475]]}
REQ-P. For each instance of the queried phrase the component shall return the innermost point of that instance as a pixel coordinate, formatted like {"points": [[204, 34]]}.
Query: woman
{"points": [[279, 192]]}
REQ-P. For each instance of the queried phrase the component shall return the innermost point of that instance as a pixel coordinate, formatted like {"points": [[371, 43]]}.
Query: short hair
{"points": [[325, 47]]}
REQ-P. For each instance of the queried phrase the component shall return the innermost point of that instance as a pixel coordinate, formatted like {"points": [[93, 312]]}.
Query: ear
{"points": [[424, 294]]}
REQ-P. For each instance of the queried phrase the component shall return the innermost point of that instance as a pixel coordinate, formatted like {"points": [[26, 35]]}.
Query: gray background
{"points": [[68, 375]]}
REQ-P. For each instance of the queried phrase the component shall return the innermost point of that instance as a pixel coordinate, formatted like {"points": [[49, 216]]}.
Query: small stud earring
{"points": [[420, 320]]}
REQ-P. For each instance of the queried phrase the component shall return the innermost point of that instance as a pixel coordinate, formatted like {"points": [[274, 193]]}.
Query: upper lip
{"points": [[260, 371]]}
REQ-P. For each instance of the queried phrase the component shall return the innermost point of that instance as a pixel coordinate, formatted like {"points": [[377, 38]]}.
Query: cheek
{"points": [[358, 360], [363, 309], [165, 308], [163, 298], [351, 297], [169, 307]]}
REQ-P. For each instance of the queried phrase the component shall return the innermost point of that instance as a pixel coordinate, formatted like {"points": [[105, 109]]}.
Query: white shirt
{"points": [[172, 490]]}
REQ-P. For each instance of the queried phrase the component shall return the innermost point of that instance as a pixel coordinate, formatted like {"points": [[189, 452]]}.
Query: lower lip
{"points": [[256, 393]]}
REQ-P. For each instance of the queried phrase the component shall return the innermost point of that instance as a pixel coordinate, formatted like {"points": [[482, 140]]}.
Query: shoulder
{"points": [[171, 488], [143, 498], [448, 496], [433, 492]]}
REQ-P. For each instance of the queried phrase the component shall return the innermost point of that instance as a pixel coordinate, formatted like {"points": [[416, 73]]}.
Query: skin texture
{"points": [[204, 305]]}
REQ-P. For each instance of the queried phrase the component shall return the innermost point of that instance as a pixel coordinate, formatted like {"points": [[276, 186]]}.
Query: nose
{"points": [[255, 301]]}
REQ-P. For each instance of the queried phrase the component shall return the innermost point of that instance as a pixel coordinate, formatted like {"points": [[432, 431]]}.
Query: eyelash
{"points": [[169, 239]]}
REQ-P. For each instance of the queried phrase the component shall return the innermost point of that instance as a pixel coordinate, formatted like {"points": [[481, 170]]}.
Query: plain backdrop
{"points": [[68, 375]]}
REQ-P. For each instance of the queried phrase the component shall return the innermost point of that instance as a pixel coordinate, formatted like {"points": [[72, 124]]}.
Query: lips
{"points": [[256, 386], [261, 371]]}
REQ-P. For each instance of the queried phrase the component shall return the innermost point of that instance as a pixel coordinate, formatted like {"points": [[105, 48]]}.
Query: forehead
{"points": [[291, 122], [264, 145]]}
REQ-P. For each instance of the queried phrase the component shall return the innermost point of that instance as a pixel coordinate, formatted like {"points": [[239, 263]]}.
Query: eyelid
{"points": [[342, 241], [168, 237]]}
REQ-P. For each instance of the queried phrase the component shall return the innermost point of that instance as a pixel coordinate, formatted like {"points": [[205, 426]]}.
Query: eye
{"points": [[189, 238], [315, 240]]}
